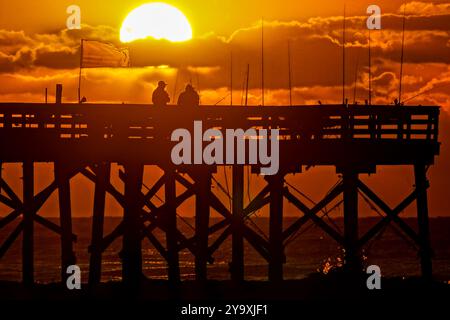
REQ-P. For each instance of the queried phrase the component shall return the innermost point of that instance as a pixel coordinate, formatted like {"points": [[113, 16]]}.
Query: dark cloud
{"points": [[13, 38], [426, 38], [62, 59]]}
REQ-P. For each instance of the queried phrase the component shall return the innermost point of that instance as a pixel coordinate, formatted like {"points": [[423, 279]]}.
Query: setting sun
{"points": [[157, 20]]}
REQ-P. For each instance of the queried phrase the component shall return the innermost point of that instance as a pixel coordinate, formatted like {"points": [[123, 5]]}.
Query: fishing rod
{"points": [[401, 59], [290, 76], [222, 99], [426, 91]]}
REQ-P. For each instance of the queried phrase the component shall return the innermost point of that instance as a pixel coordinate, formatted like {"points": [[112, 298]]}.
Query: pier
{"points": [[86, 139]]}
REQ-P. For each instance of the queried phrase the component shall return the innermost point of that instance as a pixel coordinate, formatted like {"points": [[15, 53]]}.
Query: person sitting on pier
{"points": [[160, 96], [189, 98]]}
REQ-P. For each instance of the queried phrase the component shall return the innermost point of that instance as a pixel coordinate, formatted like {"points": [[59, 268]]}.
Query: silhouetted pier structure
{"points": [[86, 139]]}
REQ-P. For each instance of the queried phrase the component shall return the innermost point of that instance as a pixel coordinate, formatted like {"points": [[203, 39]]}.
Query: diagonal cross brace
{"points": [[11, 238], [312, 214], [34, 206], [391, 215], [259, 243], [152, 216]]}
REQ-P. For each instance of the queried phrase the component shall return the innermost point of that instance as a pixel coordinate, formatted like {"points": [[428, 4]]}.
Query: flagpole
{"points": [[370, 71], [231, 78], [81, 67]]}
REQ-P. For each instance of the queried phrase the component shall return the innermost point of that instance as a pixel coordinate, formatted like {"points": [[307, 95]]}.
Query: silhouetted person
{"points": [[160, 96], [398, 103], [189, 97]]}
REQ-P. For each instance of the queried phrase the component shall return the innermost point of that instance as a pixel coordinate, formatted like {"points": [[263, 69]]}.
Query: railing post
{"points": [[429, 125], [400, 123], [58, 95], [408, 125]]}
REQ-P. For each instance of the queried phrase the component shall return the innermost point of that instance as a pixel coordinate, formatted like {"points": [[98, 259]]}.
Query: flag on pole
{"points": [[98, 54]]}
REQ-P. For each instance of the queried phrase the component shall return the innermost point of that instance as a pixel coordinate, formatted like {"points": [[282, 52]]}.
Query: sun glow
{"points": [[157, 20]]}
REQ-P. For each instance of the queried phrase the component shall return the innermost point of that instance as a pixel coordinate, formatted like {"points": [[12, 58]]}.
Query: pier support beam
{"points": [[131, 251], [350, 183], [28, 228], [171, 220], [103, 172], [237, 238], [276, 227], [65, 215], [202, 213], [422, 219]]}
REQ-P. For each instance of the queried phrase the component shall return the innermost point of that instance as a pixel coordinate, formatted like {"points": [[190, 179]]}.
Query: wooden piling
{"points": [[237, 238], [171, 234], [103, 173], [276, 227], [202, 213], [422, 219], [351, 258], [65, 216], [28, 229], [131, 251]]}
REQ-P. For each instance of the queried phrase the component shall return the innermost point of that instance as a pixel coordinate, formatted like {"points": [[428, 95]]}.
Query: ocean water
{"points": [[309, 251]]}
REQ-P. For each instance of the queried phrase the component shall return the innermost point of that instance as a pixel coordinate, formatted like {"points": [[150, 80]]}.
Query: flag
{"points": [[97, 54]]}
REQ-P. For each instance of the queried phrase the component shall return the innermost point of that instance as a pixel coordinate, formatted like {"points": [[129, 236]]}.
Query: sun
{"points": [[157, 20]]}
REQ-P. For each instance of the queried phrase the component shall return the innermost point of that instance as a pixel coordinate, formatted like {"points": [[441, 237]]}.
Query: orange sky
{"points": [[36, 52]]}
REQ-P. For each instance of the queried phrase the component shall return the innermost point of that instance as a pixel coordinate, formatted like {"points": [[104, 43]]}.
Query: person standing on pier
{"points": [[189, 97], [160, 96]]}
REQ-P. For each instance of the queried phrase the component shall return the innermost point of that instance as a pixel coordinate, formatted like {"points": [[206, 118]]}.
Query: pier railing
{"points": [[44, 132]]}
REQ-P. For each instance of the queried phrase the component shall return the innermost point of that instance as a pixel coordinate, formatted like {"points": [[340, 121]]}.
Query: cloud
{"points": [[19, 51], [425, 8], [426, 40], [13, 39], [316, 60]]}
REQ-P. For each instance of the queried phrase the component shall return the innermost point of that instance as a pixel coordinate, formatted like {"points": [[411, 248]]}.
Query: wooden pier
{"points": [[87, 139]]}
